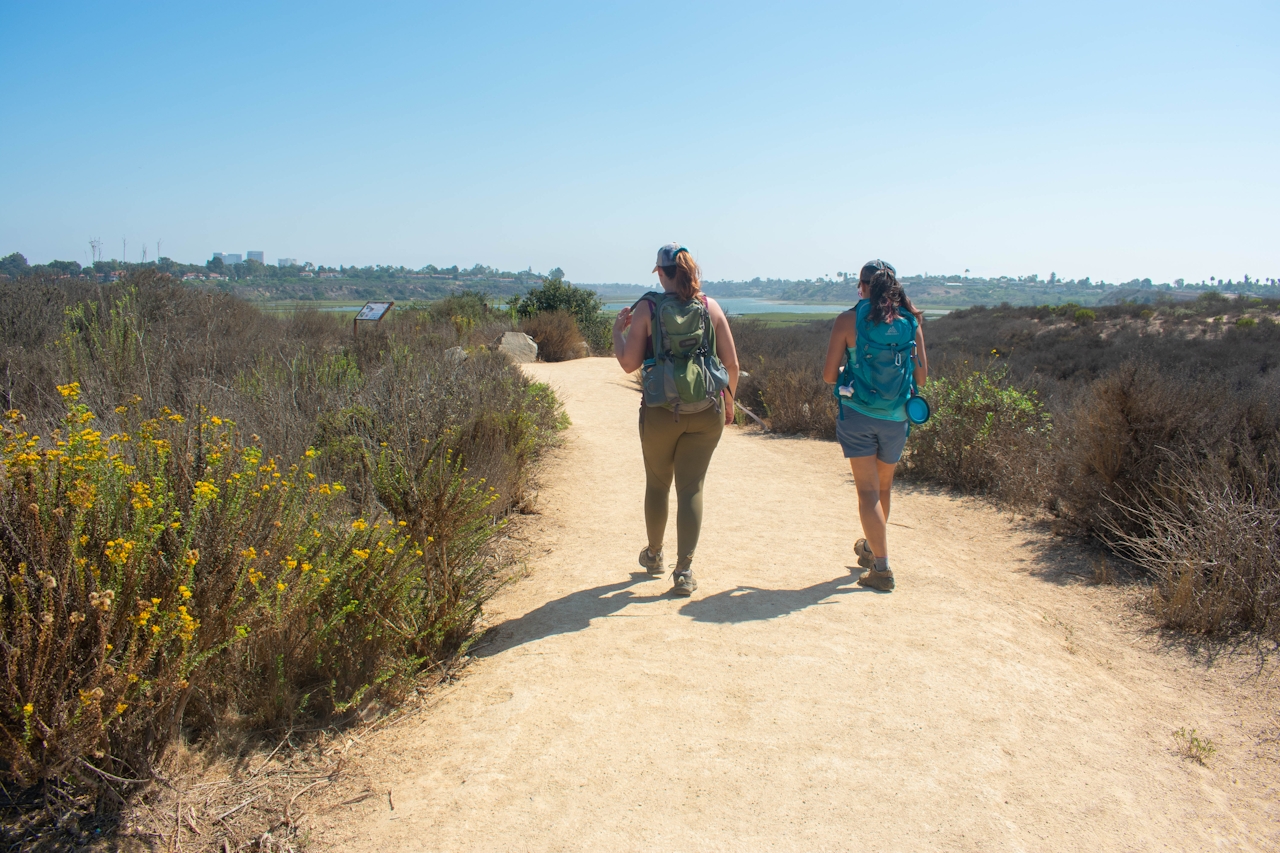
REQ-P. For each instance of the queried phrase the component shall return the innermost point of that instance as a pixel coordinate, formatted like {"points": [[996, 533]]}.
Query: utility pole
{"points": [[96, 245], [125, 250], [158, 242]]}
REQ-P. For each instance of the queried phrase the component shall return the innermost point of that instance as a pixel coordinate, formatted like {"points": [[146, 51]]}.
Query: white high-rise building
{"points": [[257, 256], [287, 262]]}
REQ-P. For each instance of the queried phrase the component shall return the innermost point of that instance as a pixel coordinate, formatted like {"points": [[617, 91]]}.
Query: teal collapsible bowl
{"points": [[917, 409]]}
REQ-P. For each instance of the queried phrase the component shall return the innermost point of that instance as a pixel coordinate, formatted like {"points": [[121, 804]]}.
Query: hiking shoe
{"points": [[652, 563], [882, 581], [684, 582], [863, 552]]}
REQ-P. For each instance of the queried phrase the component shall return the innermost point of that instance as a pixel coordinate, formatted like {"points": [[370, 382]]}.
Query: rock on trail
{"points": [[991, 702]]}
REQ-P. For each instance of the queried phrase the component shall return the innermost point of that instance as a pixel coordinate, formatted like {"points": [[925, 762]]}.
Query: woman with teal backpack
{"points": [[876, 360], [680, 342]]}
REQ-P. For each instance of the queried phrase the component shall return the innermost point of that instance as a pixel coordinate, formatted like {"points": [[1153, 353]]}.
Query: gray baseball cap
{"points": [[667, 255]]}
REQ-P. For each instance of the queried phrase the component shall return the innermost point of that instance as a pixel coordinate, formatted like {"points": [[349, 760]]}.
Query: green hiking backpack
{"points": [[683, 372]]}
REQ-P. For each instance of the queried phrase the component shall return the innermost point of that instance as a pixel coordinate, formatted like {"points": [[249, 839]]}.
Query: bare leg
{"points": [[873, 480]]}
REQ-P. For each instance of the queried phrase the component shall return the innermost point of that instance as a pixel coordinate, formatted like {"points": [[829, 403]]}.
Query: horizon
{"points": [[1116, 143]]}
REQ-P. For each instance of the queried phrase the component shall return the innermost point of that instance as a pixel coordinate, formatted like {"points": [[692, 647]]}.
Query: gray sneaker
{"points": [[882, 581], [684, 582], [863, 552], [652, 563]]}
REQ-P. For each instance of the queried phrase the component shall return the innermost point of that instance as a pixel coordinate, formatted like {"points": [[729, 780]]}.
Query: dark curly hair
{"points": [[887, 298]]}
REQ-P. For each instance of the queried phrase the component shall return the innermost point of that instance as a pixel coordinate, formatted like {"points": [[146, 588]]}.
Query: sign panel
{"points": [[374, 310]]}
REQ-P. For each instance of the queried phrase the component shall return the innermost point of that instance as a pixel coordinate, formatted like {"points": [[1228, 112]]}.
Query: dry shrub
{"points": [[1117, 435], [557, 335], [1211, 545], [784, 381], [796, 400]]}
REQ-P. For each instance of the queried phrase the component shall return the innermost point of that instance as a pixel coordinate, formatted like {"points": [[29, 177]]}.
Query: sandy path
{"points": [[984, 705]]}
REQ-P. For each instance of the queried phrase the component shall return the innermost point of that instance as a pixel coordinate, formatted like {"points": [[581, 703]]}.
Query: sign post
{"points": [[373, 311]]}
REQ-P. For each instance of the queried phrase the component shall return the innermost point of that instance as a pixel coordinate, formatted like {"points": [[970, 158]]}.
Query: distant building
{"points": [[330, 274], [219, 256], [229, 259], [257, 256], [287, 262]]}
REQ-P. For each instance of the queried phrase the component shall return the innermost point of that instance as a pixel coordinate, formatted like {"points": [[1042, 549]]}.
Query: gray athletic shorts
{"points": [[861, 435]]}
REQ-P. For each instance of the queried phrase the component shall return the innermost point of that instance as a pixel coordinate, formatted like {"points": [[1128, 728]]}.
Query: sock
{"points": [[882, 564]]}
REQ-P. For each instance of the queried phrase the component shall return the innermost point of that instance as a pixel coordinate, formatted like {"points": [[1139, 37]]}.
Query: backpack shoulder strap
{"points": [[709, 336], [655, 300]]}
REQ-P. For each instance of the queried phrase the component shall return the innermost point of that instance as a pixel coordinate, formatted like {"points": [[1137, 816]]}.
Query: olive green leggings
{"points": [[681, 449]]}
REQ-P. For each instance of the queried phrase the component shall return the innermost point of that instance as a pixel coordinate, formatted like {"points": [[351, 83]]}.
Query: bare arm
{"points": [[921, 372], [843, 335], [629, 348]]}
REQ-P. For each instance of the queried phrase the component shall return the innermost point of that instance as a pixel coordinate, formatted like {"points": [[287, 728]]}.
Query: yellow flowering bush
{"points": [[145, 585]]}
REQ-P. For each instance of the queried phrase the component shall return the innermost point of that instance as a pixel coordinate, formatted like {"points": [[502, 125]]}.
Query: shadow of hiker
{"points": [[565, 615], [752, 604]]}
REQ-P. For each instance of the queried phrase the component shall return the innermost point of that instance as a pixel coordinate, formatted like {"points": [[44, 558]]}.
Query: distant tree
{"points": [[14, 265], [216, 265], [64, 267], [556, 273]]}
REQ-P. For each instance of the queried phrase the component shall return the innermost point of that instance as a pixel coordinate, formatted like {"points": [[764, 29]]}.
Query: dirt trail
{"points": [[992, 702]]}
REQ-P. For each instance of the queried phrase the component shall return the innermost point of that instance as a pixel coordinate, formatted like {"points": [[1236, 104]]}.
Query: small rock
{"points": [[455, 355]]}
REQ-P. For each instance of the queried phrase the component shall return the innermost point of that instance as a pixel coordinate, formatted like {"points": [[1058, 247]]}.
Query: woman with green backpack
{"points": [[680, 342], [876, 359]]}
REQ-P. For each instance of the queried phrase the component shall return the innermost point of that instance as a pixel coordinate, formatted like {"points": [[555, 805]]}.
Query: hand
{"points": [[622, 320], [728, 408]]}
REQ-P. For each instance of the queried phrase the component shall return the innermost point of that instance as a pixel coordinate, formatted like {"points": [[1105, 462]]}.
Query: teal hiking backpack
{"points": [[683, 372], [878, 376]]}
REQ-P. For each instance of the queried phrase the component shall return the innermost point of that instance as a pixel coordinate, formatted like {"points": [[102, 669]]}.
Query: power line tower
{"points": [[124, 250], [96, 245]]}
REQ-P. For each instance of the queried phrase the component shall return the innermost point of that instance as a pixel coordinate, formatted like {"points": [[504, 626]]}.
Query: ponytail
{"points": [[686, 274], [886, 297]]}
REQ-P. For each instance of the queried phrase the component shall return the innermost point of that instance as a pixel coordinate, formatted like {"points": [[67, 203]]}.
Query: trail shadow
{"points": [[565, 615], [752, 604], [1068, 561]]}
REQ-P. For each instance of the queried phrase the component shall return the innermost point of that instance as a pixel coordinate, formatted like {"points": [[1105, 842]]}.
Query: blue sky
{"points": [[1115, 140]]}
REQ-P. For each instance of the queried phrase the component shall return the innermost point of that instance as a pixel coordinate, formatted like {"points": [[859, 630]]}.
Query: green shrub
{"points": [[1246, 323], [1084, 316], [555, 294], [984, 435]]}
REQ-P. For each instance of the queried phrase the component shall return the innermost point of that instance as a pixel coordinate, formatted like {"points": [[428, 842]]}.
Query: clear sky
{"points": [[1114, 139]]}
